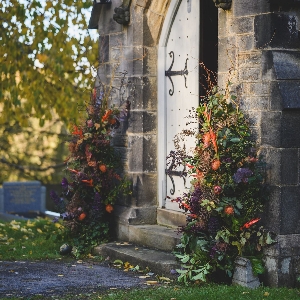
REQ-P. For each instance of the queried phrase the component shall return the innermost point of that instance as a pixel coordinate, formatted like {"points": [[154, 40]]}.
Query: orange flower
{"points": [[102, 168], [77, 131], [109, 208], [249, 224], [82, 216], [206, 139], [106, 116], [213, 138], [229, 210], [88, 182], [73, 171], [184, 206], [215, 164], [112, 121]]}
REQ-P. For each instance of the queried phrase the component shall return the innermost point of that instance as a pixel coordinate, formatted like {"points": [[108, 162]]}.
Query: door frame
{"points": [[161, 106]]}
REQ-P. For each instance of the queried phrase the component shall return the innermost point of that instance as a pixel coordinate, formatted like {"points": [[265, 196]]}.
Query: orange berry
{"points": [[215, 164], [229, 210], [82, 216], [102, 168], [109, 208]]}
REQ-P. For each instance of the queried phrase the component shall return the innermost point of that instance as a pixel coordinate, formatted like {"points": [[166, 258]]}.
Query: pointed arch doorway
{"points": [[189, 35]]}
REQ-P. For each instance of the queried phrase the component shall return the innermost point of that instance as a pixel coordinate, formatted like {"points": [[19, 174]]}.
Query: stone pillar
{"points": [[131, 48], [258, 39]]}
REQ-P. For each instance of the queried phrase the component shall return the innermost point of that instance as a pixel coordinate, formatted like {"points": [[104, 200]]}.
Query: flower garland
{"points": [[226, 197]]}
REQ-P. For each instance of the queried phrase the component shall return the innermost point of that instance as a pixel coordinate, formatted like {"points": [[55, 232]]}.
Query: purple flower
{"points": [[242, 175], [64, 183], [56, 199], [55, 220]]}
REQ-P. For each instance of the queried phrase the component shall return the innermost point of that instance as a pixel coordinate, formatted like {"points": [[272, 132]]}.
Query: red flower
{"points": [[77, 131], [249, 224], [88, 182]]}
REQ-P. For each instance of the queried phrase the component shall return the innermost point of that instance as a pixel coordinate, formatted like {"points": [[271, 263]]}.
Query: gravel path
{"points": [[50, 278]]}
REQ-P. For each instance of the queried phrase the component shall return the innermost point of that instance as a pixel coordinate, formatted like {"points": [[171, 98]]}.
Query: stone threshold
{"points": [[157, 261]]}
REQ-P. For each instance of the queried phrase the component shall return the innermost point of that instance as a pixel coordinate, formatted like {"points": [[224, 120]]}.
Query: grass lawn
{"points": [[41, 239]]}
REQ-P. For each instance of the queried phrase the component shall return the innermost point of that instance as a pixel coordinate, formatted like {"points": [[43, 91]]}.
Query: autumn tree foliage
{"points": [[45, 75]]}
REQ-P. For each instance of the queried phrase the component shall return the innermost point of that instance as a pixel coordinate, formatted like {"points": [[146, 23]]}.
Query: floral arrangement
{"points": [[227, 193], [93, 179]]}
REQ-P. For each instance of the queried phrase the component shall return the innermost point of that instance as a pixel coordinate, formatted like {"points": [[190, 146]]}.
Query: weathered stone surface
{"points": [[282, 261], [286, 64], [226, 54], [243, 274], [290, 207], [104, 48], [242, 25], [248, 8], [254, 103], [142, 121], [271, 128], [290, 129], [144, 189], [246, 60], [142, 154], [276, 30], [245, 42], [249, 74], [160, 262], [106, 23]]}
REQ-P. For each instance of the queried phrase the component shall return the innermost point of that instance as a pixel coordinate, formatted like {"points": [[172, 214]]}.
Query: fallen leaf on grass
{"points": [[151, 282], [266, 294]]}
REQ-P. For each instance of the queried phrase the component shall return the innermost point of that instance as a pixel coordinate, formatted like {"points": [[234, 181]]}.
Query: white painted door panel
{"points": [[182, 49]]}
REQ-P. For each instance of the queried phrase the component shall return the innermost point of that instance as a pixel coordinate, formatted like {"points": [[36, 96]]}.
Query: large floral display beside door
{"points": [[225, 202], [93, 178]]}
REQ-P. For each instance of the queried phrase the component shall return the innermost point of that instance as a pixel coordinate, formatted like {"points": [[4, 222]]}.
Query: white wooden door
{"points": [[180, 91]]}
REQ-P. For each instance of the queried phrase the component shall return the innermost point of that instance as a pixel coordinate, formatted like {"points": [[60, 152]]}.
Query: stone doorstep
{"points": [[154, 236], [170, 218], [157, 261]]}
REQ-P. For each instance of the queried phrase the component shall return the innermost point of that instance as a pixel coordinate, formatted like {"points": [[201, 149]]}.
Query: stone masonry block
{"points": [[222, 23], [276, 31], [271, 128], [144, 189], [282, 166], [226, 54], [290, 137], [246, 60], [247, 8], [249, 74], [245, 42], [152, 28], [254, 103], [242, 25], [142, 122], [146, 93], [290, 210], [272, 211], [106, 23], [142, 156], [104, 48]]}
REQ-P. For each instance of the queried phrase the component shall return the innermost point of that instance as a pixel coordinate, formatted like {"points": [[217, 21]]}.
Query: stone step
{"points": [[154, 236], [157, 261], [167, 217]]}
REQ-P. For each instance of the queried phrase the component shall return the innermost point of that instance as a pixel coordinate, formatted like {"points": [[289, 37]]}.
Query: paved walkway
{"points": [[51, 278]]}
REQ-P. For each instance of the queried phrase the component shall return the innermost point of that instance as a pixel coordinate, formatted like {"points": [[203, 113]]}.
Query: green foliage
{"points": [[45, 71], [227, 195]]}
